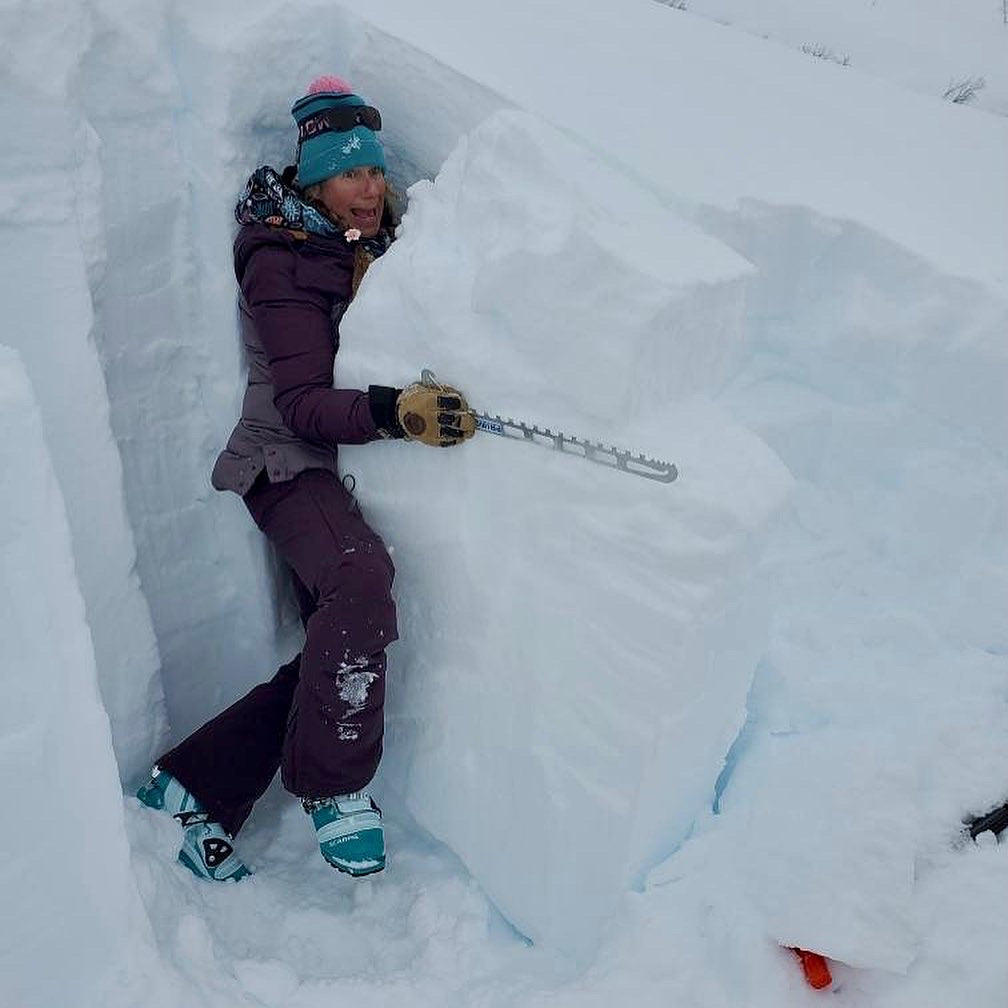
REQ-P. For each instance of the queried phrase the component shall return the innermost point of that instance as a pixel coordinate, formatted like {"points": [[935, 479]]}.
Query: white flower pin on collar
{"points": [[351, 234]]}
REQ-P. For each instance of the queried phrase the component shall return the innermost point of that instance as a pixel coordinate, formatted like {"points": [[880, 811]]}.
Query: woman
{"points": [[302, 249]]}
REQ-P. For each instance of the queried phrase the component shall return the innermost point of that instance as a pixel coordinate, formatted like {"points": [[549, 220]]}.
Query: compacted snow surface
{"points": [[642, 738]]}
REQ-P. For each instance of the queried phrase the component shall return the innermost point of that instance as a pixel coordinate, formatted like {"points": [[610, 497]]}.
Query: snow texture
{"points": [[70, 898], [661, 731], [53, 251], [645, 589], [767, 123], [928, 46]]}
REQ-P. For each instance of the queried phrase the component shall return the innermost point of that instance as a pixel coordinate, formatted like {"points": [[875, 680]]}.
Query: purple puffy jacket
{"points": [[293, 292]]}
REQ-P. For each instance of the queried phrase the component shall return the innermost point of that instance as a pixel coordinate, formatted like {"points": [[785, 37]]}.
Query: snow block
{"points": [[577, 642], [76, 928]]}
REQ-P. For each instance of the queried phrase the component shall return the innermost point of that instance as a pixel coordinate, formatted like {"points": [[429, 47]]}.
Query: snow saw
{"points": [[622, 459]]}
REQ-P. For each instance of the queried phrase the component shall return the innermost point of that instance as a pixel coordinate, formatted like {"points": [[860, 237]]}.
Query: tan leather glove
{"points": [[435, 414]]}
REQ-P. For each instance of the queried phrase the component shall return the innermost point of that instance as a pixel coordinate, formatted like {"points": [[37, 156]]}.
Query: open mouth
{"points": [[364, 218]]}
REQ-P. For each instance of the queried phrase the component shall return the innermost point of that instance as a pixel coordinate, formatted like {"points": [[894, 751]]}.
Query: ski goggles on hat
{"points": [[339, 120]]}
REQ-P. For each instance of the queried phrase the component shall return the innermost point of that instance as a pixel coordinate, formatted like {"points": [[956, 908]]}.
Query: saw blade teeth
{"points": [[624, 459]]}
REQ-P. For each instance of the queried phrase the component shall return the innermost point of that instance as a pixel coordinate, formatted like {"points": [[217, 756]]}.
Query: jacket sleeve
{"points": [[293, 325]]}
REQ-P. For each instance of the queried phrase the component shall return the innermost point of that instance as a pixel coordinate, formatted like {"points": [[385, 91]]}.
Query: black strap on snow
{"points": [[995, 821]]}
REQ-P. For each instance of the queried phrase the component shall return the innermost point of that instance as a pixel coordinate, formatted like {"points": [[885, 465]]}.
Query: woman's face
{"points": [[356, 198]]}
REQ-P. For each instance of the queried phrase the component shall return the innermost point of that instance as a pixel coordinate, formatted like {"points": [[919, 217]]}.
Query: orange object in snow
{"points": [[815, 969]]}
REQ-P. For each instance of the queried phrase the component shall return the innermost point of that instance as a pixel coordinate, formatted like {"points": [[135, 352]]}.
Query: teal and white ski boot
{"points": [[206, 847], [350, 833]]}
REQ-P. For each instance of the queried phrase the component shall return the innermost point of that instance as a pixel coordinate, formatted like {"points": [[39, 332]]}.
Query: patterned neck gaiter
{"points": [[267, 200]]}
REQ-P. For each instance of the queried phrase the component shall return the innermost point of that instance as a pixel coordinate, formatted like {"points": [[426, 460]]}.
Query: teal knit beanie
{"points": [[324, 151]]}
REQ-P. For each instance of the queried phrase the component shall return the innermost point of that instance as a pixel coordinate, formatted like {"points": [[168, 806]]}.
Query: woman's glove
{"points": [[435, 414]]}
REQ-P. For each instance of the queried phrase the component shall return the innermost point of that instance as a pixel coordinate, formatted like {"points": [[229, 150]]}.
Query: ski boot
{"points": [[206, 847], [350, 833]]}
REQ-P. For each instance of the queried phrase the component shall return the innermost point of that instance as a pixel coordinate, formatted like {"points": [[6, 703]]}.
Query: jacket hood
{"points": [[268, 200]]}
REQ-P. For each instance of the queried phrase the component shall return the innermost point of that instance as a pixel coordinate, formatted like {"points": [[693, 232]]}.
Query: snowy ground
{"points": [[936, 47], [737, 713]]}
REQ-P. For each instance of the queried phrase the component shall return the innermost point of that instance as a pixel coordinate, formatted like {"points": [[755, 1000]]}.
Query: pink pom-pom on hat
{"points": [[331, 84]]}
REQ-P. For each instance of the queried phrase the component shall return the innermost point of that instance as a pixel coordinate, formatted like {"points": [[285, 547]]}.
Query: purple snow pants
{"points": [[320, 718]]}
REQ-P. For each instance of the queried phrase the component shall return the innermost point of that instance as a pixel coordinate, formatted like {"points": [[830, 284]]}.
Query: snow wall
{"points": [[72, 911], [52, 258], [170, 117]]}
